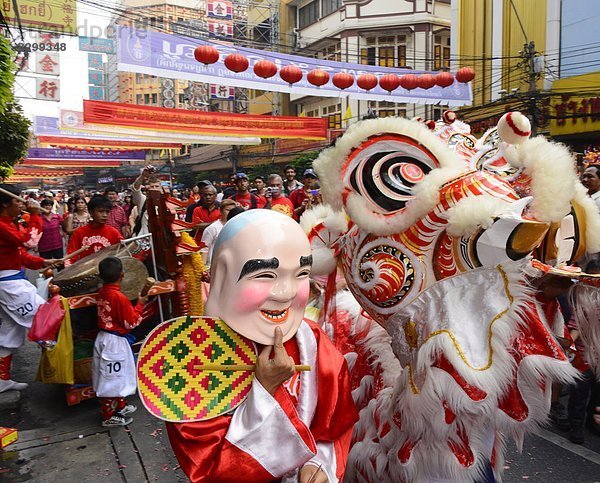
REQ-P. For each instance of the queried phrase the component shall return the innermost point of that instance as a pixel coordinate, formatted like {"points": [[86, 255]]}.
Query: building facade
{"points": [[574, 106], [514, 48], [408, 34], [539, 57], [166, 16]]}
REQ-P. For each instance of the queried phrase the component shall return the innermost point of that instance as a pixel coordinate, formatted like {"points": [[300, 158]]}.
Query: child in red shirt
{"points": [[96, 234], [113, 367]]}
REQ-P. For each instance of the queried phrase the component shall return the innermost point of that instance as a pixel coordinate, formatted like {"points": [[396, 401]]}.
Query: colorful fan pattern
{"points": [[171, 381]]}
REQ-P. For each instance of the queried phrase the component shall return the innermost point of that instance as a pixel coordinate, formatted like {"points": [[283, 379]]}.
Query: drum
{"points": [[82, 277]]}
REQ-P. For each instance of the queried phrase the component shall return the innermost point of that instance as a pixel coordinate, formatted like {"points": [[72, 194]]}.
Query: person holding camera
{"points": [[275, 199], [149, 178], [302, 198]]}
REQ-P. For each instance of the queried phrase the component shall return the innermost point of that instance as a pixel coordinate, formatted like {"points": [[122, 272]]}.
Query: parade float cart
{"points": [[165, 257]]}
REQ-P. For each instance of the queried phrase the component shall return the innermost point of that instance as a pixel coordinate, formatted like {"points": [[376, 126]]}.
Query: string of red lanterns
{"points": [[343, 80], [367, 81], [318, 77], [292, 74], [265, 69]]}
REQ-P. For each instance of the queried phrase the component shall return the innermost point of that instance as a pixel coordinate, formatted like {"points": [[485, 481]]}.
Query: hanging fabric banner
{"points": [[25, 171], [172, 56], [70, 142], [219, 123], [71, 163], [71, 125], [85, 154]]}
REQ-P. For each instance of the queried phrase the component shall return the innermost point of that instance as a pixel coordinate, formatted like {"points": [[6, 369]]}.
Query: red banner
{"points": [[60, 141], [215, 123]]}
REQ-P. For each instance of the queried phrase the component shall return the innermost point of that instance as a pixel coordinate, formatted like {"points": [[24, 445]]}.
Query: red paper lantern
{"points": [[389, 82], [265, 69], [367, 81], [318, 77], [291, 74], [236, 62], [206, 54], [343, 80], [426, 81], [466, 74], [444, 79], [409, 82]]}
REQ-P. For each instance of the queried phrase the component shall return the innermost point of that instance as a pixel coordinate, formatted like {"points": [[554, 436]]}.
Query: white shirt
{"points": [[138, 198], [596, 198], [209, 236]]}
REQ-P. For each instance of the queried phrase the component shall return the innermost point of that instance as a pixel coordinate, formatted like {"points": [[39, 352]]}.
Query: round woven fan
{"points": [[194, 369]]}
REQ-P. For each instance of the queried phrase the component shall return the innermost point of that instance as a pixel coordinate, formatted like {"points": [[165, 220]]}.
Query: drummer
{"points": [[96, 234], [18, 298]]}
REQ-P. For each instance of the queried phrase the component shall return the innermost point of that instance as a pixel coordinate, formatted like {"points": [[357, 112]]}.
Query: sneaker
{"points": [[12, 385], [117, 420], [576, 436], [558, 415], [129, 409]]}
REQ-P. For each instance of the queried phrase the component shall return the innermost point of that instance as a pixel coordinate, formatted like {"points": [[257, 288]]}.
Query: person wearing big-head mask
{"points": [[293, 426]]}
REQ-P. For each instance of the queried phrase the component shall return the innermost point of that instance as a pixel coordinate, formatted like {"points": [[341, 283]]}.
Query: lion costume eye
{"points": [[385, 169]]}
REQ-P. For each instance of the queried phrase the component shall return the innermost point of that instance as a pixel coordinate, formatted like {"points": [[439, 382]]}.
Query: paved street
{"points": [[62, 443], [57, 442]]}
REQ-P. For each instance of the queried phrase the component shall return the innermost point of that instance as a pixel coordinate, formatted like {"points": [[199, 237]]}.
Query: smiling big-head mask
{"points": [[259, 275]]}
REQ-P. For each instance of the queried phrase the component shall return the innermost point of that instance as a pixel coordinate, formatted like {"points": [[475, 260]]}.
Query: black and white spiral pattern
{"points": [[386, 177]]}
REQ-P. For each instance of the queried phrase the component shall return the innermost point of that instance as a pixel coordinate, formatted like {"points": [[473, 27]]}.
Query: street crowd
{"points": [[79, 222], [66, 218]]}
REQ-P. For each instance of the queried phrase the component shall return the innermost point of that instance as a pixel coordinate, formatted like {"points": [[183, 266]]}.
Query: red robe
{"points": [[267, 437], [96, 236]]}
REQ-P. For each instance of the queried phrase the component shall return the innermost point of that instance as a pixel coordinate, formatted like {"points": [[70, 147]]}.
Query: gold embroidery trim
{"points": [[498, 316], [411, 380]]}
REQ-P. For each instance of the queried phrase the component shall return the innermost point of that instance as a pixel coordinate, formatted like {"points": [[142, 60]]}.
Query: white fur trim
{"points": [[511, 154], [329, 163], [312, 217], [373, 456], [592, 219], [585, 301], [324, 261], [426, 193], [472, 213], [552, 170]]}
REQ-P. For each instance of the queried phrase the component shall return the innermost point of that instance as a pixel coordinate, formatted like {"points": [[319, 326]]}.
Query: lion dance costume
{"points": [[435, 231]]}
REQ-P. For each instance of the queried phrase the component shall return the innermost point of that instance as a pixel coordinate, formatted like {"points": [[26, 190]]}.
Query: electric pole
{"points": [[529, 53]]}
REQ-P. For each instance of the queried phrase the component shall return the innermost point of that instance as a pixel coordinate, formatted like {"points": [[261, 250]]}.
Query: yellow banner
{"points": [[575, 105], [55, 16]]}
